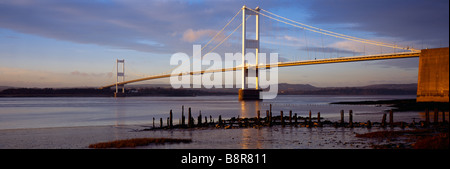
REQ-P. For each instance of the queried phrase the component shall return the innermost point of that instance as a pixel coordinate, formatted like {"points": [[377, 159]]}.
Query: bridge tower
{"points": [[122, 75], [246, 93]]}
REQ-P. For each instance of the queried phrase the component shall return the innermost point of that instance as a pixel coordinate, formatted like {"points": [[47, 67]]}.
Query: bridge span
{"points": [[281, 64]]}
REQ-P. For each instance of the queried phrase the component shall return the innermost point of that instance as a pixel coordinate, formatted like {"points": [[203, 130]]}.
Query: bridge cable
{"points": [[218, 33], [329, 33], [338, 34]]}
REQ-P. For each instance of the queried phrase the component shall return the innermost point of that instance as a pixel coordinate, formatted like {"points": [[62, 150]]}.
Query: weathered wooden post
{"points": [[342, 117], [282, 119], [270, 108], [443, 116], [220, 120], [310, 118], [369, 124], [257, 117], [182, 117], [436, 114], [290, 117], [189, 118], [199, 119], [270, 118], [167, 122], [383, 120], [153, 122], [318, 120], [391, 118], [171, 119], [350, 118], [295, 119], [160, 123]]}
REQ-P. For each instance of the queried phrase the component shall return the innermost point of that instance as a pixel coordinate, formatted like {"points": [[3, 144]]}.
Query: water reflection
{"points": [[440, 116], [120, 112], [251, 139], [249, 108]]}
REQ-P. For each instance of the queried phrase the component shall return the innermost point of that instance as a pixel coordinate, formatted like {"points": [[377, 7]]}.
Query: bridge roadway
{"points": [[283, 64]]}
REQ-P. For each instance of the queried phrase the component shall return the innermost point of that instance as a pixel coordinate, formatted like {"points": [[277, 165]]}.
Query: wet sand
{"points": [[207, 138]]}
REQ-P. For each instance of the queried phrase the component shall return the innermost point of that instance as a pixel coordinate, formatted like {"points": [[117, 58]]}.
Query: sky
{"points": [[75, 43]]}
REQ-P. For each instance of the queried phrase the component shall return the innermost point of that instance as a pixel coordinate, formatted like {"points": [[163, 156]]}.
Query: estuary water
{"points": [[48, 112]]}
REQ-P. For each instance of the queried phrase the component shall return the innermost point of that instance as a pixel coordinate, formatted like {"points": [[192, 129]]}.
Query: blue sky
{"points": [[72, 43]]}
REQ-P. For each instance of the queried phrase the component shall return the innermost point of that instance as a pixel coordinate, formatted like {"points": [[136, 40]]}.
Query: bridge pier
{"points": [[433, 81], [249, 94], [119, 94]]}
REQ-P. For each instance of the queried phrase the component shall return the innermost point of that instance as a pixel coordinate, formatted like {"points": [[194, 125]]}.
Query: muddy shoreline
{"points": [[403, 104]]}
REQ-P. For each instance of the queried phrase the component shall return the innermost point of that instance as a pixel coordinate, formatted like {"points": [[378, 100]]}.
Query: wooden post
{"points": [[290, 117], [443, 116], [342, 117], [318, 120], [436, 114], [171, 119], [199, 119], [267, 117], [270, 108], [210, 119], [182, 117], [310, 118], [369, 124], [220, 120], [257, 117], [189, 118], [270, 118], [391, 118], [350, 118], [295, 119], [318, 117], [383, 120], [282, 120], [153, 122], [160, 123]]}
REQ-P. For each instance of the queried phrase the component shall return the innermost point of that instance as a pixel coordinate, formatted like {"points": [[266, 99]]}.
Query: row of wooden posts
{"points": [[269, 120]]}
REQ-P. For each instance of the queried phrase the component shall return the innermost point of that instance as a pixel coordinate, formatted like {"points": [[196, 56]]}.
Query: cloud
{"points": [[412, 20], [96, 75], [123, 24], [192, 36], [405, 64], [19, 77], [330, 50]]}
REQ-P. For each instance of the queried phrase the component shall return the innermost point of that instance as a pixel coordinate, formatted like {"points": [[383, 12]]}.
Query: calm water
{"points": [[85, 111]]}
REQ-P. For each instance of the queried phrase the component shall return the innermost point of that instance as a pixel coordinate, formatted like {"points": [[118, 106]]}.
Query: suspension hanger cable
{"points": [[328, 33]]}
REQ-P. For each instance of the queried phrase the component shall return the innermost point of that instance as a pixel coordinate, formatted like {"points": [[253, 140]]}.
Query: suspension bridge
{"points": [[398, 51]]}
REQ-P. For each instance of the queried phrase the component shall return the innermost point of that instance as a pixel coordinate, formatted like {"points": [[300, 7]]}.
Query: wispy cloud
{"points": [[192, 36], [412, 20]]}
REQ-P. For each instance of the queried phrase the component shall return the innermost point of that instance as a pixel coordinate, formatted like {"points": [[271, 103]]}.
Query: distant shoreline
{"points": [[168, 91], [403, 104]]}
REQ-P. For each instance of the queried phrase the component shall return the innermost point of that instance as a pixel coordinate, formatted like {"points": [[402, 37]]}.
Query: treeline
{"points": [[93, 92], [351, 91], [50, 92], [168, 91]]}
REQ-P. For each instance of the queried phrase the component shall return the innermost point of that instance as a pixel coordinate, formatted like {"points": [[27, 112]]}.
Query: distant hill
{"points": [[4, 87], [167, 90], [412, 86], [307, 89]]}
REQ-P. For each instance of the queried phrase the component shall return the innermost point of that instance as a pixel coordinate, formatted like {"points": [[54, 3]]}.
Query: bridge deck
{"points": [[284, 64]]}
